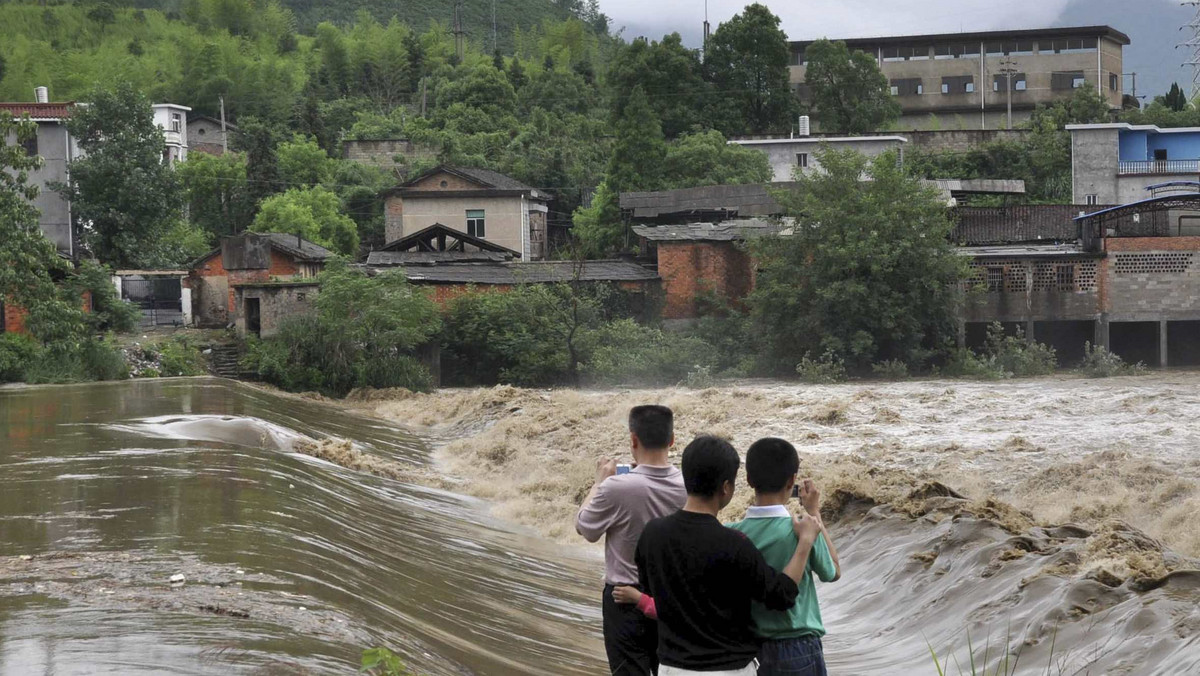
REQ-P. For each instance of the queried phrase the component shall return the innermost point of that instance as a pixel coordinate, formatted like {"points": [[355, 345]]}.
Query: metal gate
{"points": [[160, 298]]}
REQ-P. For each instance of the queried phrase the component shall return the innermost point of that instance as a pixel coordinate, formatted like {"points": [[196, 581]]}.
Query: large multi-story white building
{"points": [[172, 119]]}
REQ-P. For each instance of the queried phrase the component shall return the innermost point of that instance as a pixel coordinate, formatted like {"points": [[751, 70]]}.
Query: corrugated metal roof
{"points": [[540, 272]]}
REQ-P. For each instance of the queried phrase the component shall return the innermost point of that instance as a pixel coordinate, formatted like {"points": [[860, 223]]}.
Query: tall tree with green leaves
{"points": [[637, 159], [125, 198], [668, 73], [1175, 99], [258, 140], [312, 213], [850, 95], [28, 261], [867, 274], [705, 158], [218, 195], [747, 64]]}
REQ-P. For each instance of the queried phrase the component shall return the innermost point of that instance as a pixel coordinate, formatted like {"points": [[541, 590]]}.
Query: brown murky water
{"points": [[293, 564]]}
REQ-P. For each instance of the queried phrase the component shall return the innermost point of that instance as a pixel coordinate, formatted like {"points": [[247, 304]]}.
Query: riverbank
{"points": [[1040, 451]]}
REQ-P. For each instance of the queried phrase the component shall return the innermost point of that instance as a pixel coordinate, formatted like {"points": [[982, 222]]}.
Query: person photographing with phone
{"points": [[617, 508]]}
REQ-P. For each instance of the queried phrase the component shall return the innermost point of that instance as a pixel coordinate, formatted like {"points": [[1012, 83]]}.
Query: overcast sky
{"points": [[1152, 24]]}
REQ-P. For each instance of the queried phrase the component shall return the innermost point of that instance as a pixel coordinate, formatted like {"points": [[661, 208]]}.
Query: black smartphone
{"points": [[796, 492]]}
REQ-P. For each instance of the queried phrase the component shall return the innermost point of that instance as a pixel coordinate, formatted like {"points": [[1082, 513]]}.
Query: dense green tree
{"points": [[1175, 99], [849, 93], [124, 196], [258, 141], [637, 159], [303, 163], [313, 213], [666, 72], [705, 158], [516, 73], [599, 228], [28, 261], [868, 273], [747, 63], [218, 196]]}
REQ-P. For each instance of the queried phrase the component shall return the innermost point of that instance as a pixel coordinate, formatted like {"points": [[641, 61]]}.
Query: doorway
{"points": [[253, 316]]}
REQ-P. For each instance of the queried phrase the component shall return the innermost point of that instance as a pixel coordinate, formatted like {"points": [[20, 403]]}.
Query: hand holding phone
{"points": [[624, 469]]}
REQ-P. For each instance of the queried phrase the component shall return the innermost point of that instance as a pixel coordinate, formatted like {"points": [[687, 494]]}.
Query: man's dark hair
{"points": [[770, 462], [708, 462], [653, 425]]}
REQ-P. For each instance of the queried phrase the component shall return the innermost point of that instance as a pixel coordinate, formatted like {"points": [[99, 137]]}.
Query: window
{"points": [[802, 160], [798, 58], [1068, 45], [1078, 81], [1114, 83], [1091, 200], [908, 87], [30, 145], [958, 84], [475, 227], [1066, 80], [1160, 154], [1064, 276], [1019, 84], [1020, 48], [920, 53], [995, 279], [200, 132], [176, 122]]}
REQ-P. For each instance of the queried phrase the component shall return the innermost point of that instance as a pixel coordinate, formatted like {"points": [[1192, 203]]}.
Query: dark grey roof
{"points": [[395, 258], [727, 231], [492, 178], [539, 272], [751, 199], [302, 249]]}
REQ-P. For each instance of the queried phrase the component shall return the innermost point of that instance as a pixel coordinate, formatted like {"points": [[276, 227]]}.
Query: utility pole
{"points": [[495, 42], [1008, 68], [1193, 45], [458, 30], [707, 29], [224, 134]]}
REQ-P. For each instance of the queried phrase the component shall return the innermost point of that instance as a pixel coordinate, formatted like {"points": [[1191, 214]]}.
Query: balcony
{"points": [[1158, 167]]}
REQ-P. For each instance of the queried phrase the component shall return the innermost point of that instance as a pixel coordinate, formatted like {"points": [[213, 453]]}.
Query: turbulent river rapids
{"points": [[294, 561]]}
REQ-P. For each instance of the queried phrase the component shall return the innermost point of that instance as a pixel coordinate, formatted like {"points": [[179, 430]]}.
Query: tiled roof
{"points": [[441, 236], [529, 273], [396, 258], [727, 231], [302, 249], [492, 178], [39, 111]]}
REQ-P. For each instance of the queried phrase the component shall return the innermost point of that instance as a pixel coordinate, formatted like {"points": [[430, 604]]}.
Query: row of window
{"points": [[965, 84], [970, 50]]}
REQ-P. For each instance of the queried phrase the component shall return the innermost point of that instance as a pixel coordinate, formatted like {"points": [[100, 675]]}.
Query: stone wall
{"points": [[959, 140], [385, 152], [277, 302], [1044, 289], [1094, 162]]}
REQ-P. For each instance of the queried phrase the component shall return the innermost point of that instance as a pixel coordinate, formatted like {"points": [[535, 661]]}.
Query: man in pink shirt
{"points": [[618, 507]]}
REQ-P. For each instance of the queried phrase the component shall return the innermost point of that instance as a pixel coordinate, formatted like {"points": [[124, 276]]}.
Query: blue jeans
{"points": [[792, 657]]}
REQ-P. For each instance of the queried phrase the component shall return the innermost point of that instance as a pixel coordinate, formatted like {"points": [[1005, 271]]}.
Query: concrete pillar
{"points": [[1162, 343], [962, 335], [1101, 333], [1029, 331]]}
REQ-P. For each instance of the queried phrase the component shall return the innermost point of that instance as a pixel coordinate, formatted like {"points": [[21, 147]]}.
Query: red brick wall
{"points": [[14, 318], [1117, 244], [690, 268]]}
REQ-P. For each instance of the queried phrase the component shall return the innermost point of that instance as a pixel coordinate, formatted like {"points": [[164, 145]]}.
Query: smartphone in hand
{"points": [[624, 469]]}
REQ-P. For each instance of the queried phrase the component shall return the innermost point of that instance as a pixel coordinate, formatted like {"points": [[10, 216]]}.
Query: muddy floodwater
{"points": [[291, 564], [1049, 523]]}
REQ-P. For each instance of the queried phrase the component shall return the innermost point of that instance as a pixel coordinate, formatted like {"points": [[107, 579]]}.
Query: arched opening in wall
{"points": [[1134, 341], [1068, 339], [1183, 343]]}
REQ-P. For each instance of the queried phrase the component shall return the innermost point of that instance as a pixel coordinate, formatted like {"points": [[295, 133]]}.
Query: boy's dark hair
{"points": [[770, 462], [653, 425], [708, 462]]}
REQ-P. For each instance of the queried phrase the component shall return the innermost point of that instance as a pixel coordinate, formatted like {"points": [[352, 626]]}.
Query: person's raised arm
{"points": [[810, 497], [597, 513]]}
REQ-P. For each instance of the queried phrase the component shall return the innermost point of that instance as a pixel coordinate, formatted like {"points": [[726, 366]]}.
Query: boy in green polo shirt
{"points": [[791, 638]]}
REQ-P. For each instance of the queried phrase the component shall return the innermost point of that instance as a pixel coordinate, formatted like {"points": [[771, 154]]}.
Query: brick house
{"points": [[245, 259], [207, 135], [479, 202]]}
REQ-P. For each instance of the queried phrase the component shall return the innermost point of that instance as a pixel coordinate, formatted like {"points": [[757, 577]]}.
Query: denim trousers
{"points": [[792, 657]]}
